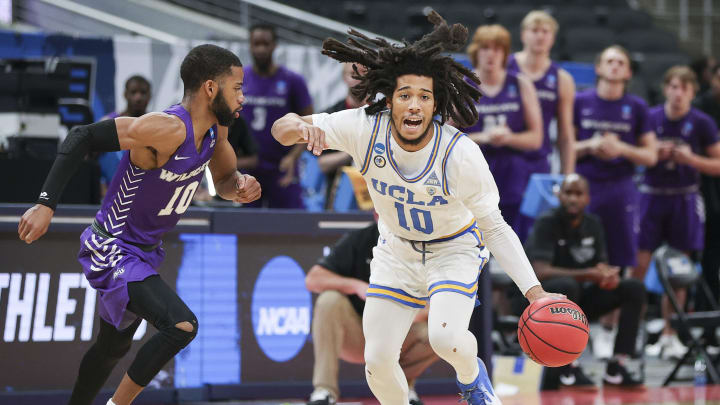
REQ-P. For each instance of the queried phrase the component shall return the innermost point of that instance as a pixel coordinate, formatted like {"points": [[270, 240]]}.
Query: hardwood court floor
{"points": [[679, 395]]}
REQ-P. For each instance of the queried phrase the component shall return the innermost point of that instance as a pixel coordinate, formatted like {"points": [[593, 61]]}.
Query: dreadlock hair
{"points": [[455, 96]]}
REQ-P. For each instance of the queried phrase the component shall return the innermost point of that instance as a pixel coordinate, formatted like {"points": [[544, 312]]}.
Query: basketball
{"points": [[553, 331]]}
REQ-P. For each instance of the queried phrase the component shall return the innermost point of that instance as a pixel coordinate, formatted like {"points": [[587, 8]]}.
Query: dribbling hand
{"points": [[247, 189], [537, 292], [34, 223], [315, 138]]}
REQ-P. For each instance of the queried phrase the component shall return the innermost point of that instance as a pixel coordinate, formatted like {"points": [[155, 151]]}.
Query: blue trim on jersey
{"points": [[396, 294], [431, 161], [471, 227], [468, 290], [451, 145], [373, 137]]}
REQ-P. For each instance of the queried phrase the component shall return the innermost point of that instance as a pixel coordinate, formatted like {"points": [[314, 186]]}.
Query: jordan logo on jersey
{"points": [[432, 180]]}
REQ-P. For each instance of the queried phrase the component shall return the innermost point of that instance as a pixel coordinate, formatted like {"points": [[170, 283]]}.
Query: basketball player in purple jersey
{"points": [[510, 123], [671, 208], [555, 89], [153, 187], [271, 91], [613, 135]]}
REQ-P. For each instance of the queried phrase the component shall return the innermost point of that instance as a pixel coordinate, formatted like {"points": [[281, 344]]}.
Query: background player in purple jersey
{"points": [[272, 91], [671, 208], [613, 135], [554, 85], [510, 123], [154, 184]]}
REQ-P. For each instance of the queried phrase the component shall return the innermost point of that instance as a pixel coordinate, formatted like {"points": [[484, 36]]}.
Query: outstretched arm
{"points": [[159, 131], [292, 129]]}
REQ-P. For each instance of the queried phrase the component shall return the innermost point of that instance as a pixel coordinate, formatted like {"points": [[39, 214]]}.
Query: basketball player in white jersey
{"points": [[434, 195]]}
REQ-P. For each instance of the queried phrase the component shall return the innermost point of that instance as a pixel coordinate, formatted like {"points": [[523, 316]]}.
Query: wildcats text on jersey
{"points": [[171, 177]]}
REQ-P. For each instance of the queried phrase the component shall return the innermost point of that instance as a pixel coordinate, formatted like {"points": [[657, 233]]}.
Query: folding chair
{"points": [[676, 270]]}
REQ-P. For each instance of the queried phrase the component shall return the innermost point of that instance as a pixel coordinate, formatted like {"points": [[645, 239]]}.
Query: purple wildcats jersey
{"points": [[506, 164], [695, 129], [627, 117], [547, 91], [267, 99], [142, 205]]}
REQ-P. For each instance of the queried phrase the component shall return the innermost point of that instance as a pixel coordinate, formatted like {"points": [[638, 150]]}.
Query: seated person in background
{"points": [[671, 208], [567, 250], [341, 278], [137, 95]]}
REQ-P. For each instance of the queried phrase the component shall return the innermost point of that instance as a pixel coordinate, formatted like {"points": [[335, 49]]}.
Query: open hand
{"points": [[537, 292], [315, 138]]}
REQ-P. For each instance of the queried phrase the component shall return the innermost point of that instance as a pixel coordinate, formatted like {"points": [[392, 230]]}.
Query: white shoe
{"points": [[674, 348], [321, 396], [603, 343], [414, 397]]}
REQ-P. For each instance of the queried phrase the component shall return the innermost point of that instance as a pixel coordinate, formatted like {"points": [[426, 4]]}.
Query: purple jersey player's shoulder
{"points": [[142, 205]]}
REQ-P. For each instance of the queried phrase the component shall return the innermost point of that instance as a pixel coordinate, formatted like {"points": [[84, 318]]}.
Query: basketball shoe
{"points": [[480, 391]]}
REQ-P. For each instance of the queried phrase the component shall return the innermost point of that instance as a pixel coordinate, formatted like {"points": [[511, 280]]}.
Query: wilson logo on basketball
{"points": [[576, 315]]}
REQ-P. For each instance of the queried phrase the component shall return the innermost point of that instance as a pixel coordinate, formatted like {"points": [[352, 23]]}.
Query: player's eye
{"points": [[404, 96]]}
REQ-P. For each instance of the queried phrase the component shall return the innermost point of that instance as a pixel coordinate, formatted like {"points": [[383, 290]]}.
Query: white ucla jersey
{"points": [[426, 205]]}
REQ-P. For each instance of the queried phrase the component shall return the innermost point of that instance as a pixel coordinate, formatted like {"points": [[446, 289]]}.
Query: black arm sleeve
{"points": [[98, 137]]}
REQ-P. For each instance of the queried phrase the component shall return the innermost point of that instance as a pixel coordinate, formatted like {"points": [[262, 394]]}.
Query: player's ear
{"points": [[209, 87]]}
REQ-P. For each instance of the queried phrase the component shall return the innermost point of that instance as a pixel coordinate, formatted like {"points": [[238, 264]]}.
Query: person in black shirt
{"points": [[341, 278], [568, 252], [246, 149], [709, 103]]}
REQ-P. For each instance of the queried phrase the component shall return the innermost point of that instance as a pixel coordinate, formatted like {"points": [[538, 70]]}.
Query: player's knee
{"points": [[442, 339], [182, 333], [327, 303], [380, 357]]}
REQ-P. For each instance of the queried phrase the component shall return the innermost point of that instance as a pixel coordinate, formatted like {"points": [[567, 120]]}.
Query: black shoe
{"points": [[618, 376], [572, 377], [414, 398], [321, 396]]}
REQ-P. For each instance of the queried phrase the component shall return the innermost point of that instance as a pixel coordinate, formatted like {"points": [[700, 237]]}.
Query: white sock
{"points": [[110, 402], [449, 335]]}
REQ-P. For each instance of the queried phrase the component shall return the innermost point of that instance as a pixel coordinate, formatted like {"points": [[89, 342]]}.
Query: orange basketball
{"points": [[553, 331]]}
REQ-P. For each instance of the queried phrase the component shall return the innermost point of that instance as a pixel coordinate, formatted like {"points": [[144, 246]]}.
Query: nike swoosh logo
{"points": [[178, 157], [567, 379], [614, 379]]}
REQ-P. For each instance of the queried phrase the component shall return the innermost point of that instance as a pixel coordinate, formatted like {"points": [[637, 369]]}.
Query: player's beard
{"points": [[225, 116], [408, 141]]}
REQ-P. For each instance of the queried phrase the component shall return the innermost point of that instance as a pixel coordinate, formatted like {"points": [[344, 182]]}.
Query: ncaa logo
{"points": [[379, 148], [550, 81], [281, 87], [281, 309], [626, 111]]}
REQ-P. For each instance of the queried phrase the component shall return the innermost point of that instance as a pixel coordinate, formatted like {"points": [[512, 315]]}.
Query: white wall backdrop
{"points": [[160, 63]]}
